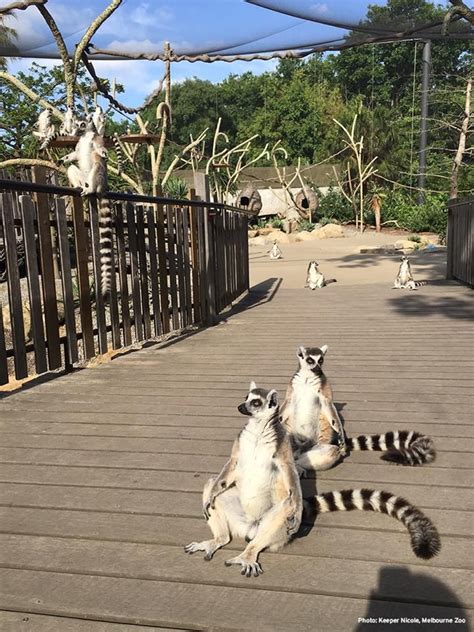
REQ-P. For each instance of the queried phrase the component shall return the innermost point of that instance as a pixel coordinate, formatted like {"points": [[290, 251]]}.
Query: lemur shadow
{"points": [[404, 594]]}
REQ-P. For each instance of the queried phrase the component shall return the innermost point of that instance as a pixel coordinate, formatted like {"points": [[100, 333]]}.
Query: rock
{"points": [[259, 241], [279, 237], [304, 235], [388, 249], [406, 244], [429, 239], [329, 231], [253, 233], [265, 231]]}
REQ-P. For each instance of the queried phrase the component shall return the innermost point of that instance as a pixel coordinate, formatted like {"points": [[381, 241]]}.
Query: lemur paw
{"points": [[302, 472], [206, 546], [248, 568]]}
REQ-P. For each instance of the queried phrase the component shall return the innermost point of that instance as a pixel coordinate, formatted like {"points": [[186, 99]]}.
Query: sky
{"points": [[190, 25]]}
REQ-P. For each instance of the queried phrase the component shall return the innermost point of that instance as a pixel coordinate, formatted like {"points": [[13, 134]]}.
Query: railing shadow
{"points": [[404, 595], [258, 295], [417, 304]]}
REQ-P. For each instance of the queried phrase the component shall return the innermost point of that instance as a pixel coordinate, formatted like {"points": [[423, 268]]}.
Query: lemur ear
{"points": [[301, 351], [272, 399], [252, 386], [324, 349]]}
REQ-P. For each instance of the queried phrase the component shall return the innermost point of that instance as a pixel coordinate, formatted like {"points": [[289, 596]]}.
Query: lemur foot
{"points": [[208, 546], [248, 567], [302, 472]]}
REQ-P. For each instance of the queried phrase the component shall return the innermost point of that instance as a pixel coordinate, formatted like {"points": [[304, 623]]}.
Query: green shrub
{"points": [[325, 220], [429, 216], [415, 238], [335, 207], [276, 222], [176, 188], [305, 224]]}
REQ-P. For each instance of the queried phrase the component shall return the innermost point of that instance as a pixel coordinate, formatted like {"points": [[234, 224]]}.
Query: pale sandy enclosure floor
{"points": [[340, 258]]}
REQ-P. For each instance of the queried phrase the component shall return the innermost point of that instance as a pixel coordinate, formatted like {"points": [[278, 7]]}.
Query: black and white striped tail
{"points": [[119, 152], [46, 142], [402, 446], [420, 283], [105, 247], [328, 281], [425, 540]]}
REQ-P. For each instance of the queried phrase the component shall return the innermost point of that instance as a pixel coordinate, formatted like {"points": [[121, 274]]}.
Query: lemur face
{"points": [[259, 403], [313, 265], [312, 358], [404, 258]]}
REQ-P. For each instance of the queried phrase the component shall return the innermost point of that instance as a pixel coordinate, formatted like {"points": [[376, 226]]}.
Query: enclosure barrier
{"points": [[177, 263], [460, 241]]}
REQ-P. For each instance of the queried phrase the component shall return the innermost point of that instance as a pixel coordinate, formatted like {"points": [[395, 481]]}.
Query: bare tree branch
{"points": [[21, 5], [30, 94], [462, 142], [94, 26], [31, 162]]}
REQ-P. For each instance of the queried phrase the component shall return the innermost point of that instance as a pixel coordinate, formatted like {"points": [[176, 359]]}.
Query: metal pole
{"points": [[425, 86]]}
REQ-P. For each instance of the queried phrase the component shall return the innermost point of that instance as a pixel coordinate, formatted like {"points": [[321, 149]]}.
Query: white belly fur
{"points": [[255, 475], [306, 412]]}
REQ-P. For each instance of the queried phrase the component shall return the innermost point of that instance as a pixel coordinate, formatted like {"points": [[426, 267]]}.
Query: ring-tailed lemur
{"points": [[425, 540], [71, 126], [99, 120], [46, 129], [309, 415], [275, 251], [257, 495], [404, 279], [119, 152], [314, 278], [90, 175]]}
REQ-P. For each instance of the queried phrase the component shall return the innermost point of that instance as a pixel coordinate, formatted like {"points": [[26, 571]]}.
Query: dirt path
{"points": [[341, 259]]}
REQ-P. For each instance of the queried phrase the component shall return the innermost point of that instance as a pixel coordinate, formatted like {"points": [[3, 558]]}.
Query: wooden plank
{"points": [[187, 604], [171, 257], [66, 281], [4, 378], [34, 292], [162, 267], [153, 254], [82, 270], [113, 299], [48, 281], [135, 274], [123, 277], [180, 272], [99, 299], [325, 540], [196, 291], [29, 622], [138, 561], [15, 301], [143, 267]]}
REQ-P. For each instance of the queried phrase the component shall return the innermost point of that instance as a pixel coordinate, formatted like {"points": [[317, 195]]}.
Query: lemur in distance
{"points": [[90, 174], [314, 278], [310, 417], [404, 279], [257, 495], [275, 251]]}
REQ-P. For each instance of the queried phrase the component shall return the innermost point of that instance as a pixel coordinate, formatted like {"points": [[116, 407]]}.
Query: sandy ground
{"points": [[340, 258]]}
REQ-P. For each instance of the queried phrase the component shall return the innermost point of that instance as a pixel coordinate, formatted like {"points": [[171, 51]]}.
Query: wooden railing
{"points": [[177, 263], [460, 241]]}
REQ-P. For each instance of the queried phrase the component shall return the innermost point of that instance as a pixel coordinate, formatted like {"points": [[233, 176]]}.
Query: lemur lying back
{"points": [[257, 495]]}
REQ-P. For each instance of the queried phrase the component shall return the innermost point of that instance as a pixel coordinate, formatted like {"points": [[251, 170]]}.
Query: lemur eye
{"points": [[255, 402], [310, 360]]}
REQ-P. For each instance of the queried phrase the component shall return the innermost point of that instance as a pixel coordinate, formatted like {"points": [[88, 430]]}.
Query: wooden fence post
{"points": [[201, 183]]}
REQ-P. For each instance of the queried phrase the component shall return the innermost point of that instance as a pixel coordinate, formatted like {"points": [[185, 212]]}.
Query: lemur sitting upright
{"points": [[314, 278], [316, 430], [404, 278], [275, 252], [257, 495], [90, 174]]}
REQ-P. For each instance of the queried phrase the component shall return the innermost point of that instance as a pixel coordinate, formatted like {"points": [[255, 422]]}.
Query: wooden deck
{"points": [[103, 470]]}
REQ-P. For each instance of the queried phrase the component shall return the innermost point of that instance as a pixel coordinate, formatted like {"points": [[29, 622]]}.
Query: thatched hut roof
{"points": [[306, 200], [250, 198]]}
